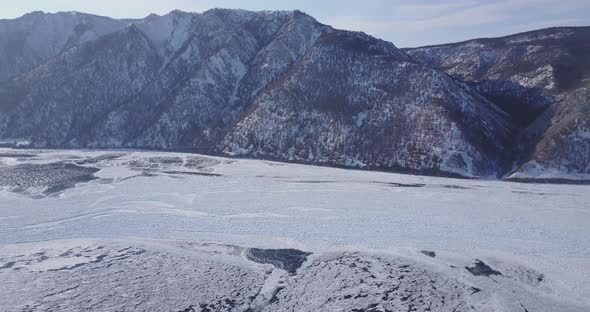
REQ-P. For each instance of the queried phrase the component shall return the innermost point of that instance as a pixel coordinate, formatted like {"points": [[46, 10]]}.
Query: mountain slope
{"points": [[563, 151], [265, 84], [204, 86], [541, 79], [32, 39], [354, 100], [59, 101]]}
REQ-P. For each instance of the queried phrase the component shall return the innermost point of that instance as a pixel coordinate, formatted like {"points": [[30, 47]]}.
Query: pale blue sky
{"points": [[405, 23]]}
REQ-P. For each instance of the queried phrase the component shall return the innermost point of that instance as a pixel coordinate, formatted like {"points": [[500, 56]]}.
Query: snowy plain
{"points": [[66, 211]]}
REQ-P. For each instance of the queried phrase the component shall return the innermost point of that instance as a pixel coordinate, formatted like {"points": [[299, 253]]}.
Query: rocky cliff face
{"points": [[541, 79], [275, 85]]}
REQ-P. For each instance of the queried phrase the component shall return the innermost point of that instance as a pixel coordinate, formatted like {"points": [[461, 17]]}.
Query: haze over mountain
{"points": [[32, 39], [280, 85]]}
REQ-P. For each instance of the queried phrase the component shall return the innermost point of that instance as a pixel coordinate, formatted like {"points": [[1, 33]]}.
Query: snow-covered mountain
{"points": [[355, 100], [32, 39], [276, 85], [542, 79]]}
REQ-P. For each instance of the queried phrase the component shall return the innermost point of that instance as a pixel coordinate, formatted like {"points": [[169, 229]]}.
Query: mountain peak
{"points": [[280, 85], [35, 13], [180, 12]]}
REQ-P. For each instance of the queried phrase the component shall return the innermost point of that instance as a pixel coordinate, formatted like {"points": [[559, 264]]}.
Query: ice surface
{"points": [[535, 235]]}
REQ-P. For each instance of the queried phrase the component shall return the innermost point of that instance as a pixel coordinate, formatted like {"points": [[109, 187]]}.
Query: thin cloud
{"points": [[486, 13], [359, 24], [497, 17], [111, 8], [432, 9], [407, 23], [546, 24]]}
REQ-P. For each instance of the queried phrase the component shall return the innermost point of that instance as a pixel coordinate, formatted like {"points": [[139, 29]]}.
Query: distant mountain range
{"points": [[280, 85]]}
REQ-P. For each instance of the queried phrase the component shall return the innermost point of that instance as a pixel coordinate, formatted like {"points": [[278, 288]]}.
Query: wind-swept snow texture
{"points": [[183, 232]]}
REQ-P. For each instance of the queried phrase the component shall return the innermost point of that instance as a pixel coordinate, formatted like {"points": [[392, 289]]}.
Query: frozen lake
{"points": [[75, 198]]}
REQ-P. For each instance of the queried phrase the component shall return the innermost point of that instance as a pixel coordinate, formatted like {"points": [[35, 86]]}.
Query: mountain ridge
{"points": [[259, 84], [540, 78], [525, 32]]}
